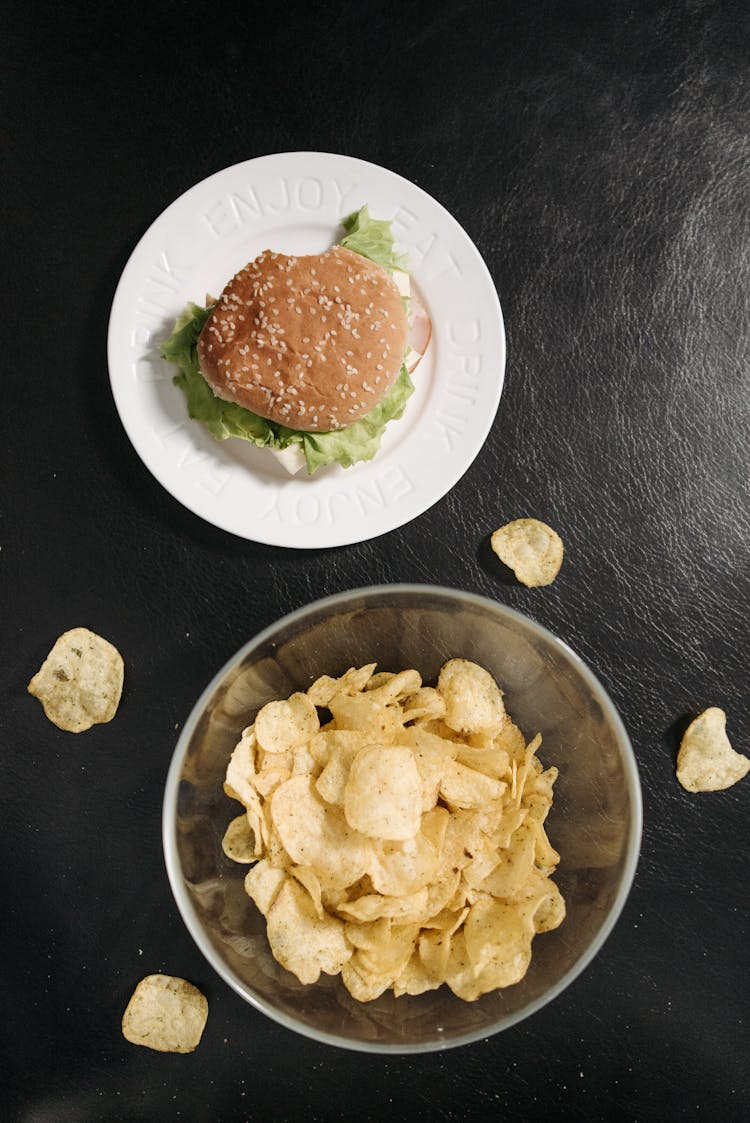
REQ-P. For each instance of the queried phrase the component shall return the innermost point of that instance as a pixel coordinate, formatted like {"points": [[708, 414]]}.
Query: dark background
{"points": [[598, 156]]}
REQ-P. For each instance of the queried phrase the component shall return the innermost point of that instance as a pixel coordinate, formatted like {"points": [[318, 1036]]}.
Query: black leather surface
{"points": [[598, 156]]}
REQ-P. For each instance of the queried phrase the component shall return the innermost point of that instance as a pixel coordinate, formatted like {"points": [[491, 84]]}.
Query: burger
{"points": [[308, 356]]}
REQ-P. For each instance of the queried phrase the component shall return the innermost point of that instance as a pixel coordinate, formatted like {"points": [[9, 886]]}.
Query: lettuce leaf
{"points": [[372, 238], [222, 419], [367, 236], [361, 440]]}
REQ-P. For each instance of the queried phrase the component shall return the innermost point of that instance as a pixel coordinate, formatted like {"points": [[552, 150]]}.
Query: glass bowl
{"points": [[595, 821]]}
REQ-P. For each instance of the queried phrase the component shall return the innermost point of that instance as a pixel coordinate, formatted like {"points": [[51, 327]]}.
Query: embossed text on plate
{"points": [[463, 370], [296, 508], [280, 196]]}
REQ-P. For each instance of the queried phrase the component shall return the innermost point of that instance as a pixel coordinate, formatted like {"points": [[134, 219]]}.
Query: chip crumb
{"points": [[706, 761], [165, 1013], [533, 550]]}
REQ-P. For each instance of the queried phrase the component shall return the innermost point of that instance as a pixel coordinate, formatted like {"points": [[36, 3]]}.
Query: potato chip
{"points": [[362, 984], [511, 740], [483, 862], [463, 837], [522, 771], [491, 761], [384, 947], [399, 868], [80, 682], [239, 785], [498, 942], [361, 712], [353, 681], [263, 882], [300, 940], [383, 794], [239, 842], [444, 893], [284, 725], [546, 857], [372, 906], [238, 782], [322, 690], [466, 788], [473, 700], [515, 867], [431, 756], [307, 877], [435, 941], [463, 979], [396, 688], [435, 826], [426, 703], [343, 746], [510, 820], [275, 849], [706, 761], [402, 844], [356, 679], [550, 909], [275, 769], [533, 550], [165, 1013], [316, 834], [542, 785], [414, 979]]}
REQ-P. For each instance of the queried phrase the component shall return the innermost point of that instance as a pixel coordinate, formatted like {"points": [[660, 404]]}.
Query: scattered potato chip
{"points": [[706, 761], [402, 843], [80, 682], [533, 550], [165, 1013]]}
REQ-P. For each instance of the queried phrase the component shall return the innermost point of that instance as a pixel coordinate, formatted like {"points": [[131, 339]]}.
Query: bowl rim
{"points": [[169, 817]]}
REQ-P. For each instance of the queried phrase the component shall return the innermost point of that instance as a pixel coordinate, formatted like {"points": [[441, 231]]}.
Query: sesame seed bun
{"points": [[313, 342]]}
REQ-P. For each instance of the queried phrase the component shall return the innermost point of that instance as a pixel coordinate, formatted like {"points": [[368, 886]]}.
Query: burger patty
{"points": [[310, 342]]}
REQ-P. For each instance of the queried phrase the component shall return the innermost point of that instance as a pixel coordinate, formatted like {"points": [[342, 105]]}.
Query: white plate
{"points": [[294, 202]]}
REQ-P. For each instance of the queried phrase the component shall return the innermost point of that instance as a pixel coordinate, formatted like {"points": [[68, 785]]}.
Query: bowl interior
{"points": [[594, 823]]}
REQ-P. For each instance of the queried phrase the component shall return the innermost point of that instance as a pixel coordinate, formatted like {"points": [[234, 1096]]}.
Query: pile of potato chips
{"points": [[401, 842]]}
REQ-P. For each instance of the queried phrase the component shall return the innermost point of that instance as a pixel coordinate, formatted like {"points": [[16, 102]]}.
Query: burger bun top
{"points": [[310, 342]]}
